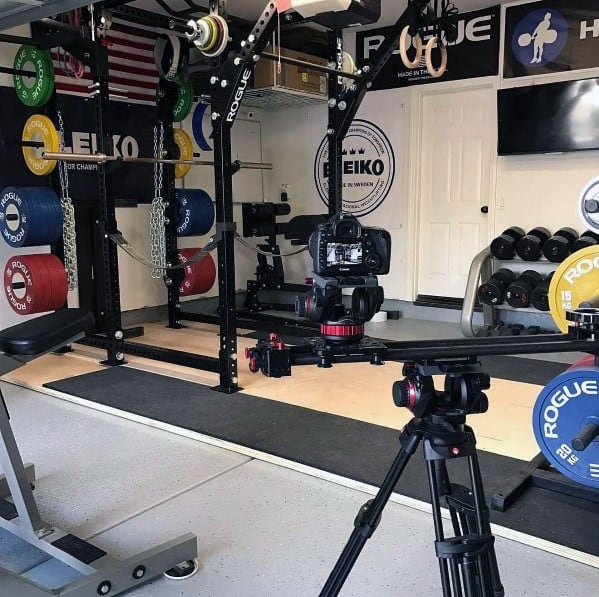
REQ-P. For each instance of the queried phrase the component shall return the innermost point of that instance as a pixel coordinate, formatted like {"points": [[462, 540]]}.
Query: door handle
{"points": [[484, 209]]}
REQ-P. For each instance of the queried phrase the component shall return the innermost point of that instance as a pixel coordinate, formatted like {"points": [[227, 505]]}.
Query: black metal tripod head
{"points": [[462, 395]]}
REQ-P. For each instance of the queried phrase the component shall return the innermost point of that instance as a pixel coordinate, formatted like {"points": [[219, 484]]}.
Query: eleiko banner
{"points": [[130, 127], [475, 53], [551, 36]]}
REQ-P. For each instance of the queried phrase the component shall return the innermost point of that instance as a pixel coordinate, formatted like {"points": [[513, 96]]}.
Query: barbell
{"points": [[41, 149]]}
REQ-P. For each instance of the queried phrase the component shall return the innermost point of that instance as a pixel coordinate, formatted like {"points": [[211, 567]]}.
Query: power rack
{"points": [[230, 78]]}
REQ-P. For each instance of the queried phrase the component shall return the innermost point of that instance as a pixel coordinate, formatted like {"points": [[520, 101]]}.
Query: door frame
{"points": [[416, 112]]}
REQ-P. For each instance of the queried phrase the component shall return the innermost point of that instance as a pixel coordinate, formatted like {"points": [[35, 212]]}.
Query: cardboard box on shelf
{"points": [[291, 76]]}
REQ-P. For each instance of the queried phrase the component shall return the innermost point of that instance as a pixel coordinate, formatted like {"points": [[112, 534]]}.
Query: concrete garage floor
{"points": [[263, 530]]}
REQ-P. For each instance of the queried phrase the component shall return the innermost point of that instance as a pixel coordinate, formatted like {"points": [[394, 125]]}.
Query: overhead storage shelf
{"points": [[281, 97], [20, 12]]}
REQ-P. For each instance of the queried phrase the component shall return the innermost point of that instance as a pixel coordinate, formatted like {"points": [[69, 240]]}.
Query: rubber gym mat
{"points": [[533, 371], [343, 446]]}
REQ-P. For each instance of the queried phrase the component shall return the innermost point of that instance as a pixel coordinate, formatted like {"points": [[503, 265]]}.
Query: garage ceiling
{"points": [[251, 8]]}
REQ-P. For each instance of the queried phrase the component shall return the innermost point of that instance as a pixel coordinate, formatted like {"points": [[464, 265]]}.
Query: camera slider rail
{"points": [[275, 359]]}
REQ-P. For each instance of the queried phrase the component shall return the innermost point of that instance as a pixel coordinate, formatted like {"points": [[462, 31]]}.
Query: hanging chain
{"points": [[157, 210], [68, 227]]}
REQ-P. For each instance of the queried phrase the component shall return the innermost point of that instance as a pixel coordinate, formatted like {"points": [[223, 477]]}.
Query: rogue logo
{"points": [[476, 29], [368, 168], [239, 95]]}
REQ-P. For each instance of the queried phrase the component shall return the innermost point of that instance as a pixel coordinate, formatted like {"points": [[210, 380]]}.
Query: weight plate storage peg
{"points": [[40, 129], [34, 91], [529, 247], [540, 295], [492, 292], [185, 149], [559, 246], [196, 212], [587, 239], [575, 281], [566, 423], [504, 246], [35, 283], [184, 101], [199, 276], [519, 292], [30, 216]]}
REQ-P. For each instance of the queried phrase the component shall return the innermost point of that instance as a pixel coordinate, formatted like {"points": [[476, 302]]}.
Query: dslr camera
{"points": [[346, 256], [343, 247]]}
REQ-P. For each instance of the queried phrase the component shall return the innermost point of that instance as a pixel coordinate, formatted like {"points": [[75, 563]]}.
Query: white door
{"points": [[455, 184]]}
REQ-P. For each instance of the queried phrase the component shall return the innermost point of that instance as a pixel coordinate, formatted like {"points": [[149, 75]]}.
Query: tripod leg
{"points": [[369, 517], [433, 478], [484, 523]]}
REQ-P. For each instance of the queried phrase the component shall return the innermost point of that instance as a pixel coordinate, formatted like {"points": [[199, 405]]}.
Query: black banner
{"points": [[551, 36], [130, 127], [474, 54]]}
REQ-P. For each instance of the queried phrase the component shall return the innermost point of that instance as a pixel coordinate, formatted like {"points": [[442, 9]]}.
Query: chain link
{"points": [[157, 210], [69, 234]]}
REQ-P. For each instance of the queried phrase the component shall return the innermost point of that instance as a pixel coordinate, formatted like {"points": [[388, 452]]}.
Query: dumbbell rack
{"points": [[483, 266]]}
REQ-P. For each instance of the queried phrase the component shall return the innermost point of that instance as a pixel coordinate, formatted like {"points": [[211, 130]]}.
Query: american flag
{"points": [[133, 74]]}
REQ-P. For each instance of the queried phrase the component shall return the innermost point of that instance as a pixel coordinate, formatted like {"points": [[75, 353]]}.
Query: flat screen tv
{"points": [[552, 118]]}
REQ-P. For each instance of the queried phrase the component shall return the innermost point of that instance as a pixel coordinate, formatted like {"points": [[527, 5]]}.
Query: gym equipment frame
{"points": [[100, 573]]}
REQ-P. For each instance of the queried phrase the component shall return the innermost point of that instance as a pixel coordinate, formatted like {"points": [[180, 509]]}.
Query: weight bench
{"points": [[19, 515]]}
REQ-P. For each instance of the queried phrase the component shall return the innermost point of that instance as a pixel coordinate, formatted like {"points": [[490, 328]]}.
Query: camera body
{"points": [[343, 247]]}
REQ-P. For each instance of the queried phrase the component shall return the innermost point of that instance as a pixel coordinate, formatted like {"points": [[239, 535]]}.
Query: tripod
{"points": [[467, 561]]}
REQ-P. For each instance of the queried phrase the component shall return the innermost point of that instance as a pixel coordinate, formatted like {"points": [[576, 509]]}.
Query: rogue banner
{"points": [[474, 54], [551, 36]]}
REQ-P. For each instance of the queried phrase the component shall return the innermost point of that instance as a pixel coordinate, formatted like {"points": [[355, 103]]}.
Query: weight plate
{"points": [[21, 300], [562, 410], [186, 287], [184, 143], [222, 36], [39, 92], [196, 212], [212, 39], [205, 275], [574, 281], [198, 126], [40, 128], [14, 232], [42, 283], [588, 205], [57, 281], [184, 102]]}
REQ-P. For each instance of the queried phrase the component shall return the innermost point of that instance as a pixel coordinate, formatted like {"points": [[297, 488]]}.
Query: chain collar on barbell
{"points": [[69, 233], [157, 210]]}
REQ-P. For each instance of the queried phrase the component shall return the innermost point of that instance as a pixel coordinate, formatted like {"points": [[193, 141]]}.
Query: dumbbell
{"points": [[587, 239], [519, 292], [492, 292], [504, 246], [540, 295], [558, 247], [529, 247]]}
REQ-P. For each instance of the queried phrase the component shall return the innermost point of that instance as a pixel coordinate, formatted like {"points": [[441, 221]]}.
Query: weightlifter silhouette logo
{"points": [[539, 38]]}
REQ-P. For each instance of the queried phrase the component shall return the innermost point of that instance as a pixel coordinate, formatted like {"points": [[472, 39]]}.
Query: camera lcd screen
{"points": [[344, 254]]}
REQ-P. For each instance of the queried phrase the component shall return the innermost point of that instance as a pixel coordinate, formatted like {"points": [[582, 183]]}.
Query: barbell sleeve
{"points": [[586, 437]]}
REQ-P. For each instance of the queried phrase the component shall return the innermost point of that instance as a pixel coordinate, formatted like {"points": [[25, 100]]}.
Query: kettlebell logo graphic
{"points": [[539, 38]]}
